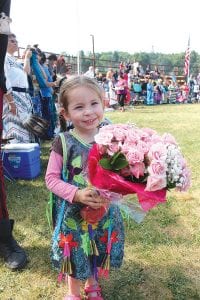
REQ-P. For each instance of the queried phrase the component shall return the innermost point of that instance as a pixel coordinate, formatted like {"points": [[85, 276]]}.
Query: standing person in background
{"points": [[186, 90], [14, 256], [115, 76], [47, 101], [52, 62], [112, 93], [144, 89], [63, 70], [109, 74], [105, 87], [121, 88], [98, 76], [137, 88], [195, 90], [90, 72], [52, 69], [150, 92], [172, 92], [147, 71], [61, 66], [158, 92], [135, 68], [121, 67], [17, 105]]}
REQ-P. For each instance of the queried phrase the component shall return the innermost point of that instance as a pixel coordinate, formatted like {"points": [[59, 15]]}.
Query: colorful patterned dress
{"points": [[71, 228]]}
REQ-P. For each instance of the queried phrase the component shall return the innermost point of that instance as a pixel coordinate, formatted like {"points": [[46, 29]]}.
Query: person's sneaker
{"points": [[5, 24], [13, 255]]}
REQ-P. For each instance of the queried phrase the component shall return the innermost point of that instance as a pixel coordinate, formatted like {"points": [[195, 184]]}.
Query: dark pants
{"points": [[121, 99], [48, 115], [4, 7]]}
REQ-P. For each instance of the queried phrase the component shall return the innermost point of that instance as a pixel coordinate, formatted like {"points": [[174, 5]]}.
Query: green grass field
{"points": [[162, 254]]}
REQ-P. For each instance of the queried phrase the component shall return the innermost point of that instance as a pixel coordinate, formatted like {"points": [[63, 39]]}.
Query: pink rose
{"points": [[125, 148], [122, 126], [182, 161], [167, 138], [132, 136], [156, 139], [157, 168], [157, 152], [138, 169], [149, 131], [134, 156], [119, 133], [117, 130], [185, 180], [113, 148], [145, 138], [144, 146], [155, 183], [103, 138]]}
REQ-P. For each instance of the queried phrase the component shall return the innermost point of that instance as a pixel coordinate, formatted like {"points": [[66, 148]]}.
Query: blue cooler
{"points": [[21, 160]]}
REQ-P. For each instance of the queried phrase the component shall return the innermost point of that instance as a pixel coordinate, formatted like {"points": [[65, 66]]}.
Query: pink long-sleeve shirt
{"points": [[53, 178]]}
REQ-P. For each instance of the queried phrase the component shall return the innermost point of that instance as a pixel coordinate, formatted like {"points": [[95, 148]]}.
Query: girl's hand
{"points": [[90, 197]]}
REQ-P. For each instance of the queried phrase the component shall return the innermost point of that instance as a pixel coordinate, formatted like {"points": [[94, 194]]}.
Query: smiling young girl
{"points": [[80, 249]]}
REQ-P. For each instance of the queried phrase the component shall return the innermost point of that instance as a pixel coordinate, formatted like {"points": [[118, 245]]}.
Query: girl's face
{"points": [[85, 109]]}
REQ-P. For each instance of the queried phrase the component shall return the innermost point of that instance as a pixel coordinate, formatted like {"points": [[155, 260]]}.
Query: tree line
{"points": [[167, 63]]}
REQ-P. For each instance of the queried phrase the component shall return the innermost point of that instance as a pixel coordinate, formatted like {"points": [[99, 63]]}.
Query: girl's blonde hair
{"points": [[78, 81]]}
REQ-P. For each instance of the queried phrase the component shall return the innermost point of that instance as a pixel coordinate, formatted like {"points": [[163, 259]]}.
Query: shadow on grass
{"points": [[158, 228], [181, 286], [134, 281]]}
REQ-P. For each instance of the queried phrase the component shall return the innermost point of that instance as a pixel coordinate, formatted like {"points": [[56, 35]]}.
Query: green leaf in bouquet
{"points": [[116, 156], [141, 179], [120, 162], [171, 185], [105, 163]]}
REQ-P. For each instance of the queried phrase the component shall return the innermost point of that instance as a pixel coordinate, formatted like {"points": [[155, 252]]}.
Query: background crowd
{"points": [[148, 87], [39, 77]]}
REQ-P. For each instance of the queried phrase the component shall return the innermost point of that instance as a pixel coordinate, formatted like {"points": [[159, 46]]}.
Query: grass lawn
{"points": [[162, 254]]}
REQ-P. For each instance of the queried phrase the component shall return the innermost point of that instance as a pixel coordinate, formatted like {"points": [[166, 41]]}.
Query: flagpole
{"points": [[187, 61], [188, 79], [78, 37]]}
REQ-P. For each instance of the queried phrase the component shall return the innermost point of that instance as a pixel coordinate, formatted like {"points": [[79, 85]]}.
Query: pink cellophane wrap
{"points": [[108, 180]]}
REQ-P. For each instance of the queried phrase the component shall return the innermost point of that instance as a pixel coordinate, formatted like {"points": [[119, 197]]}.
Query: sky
{"points": [[128, 25]]}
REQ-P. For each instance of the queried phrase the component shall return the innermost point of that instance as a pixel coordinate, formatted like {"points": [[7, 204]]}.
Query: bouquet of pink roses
{"points": [[128, 160]]}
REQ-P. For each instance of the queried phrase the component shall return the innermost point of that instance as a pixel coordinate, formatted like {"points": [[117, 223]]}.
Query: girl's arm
{"points": [[68, 191], [53, 178]]}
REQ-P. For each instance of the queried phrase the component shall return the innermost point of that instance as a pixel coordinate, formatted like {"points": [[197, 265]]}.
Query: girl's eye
{"points": [[78, 107], [94, 103]]}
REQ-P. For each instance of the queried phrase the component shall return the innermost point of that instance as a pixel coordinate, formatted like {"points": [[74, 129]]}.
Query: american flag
{"points": [[187, 59]]}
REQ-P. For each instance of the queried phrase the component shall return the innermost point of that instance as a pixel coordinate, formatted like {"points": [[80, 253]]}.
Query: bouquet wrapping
{"points": [[106, 179], [131, 160]]}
